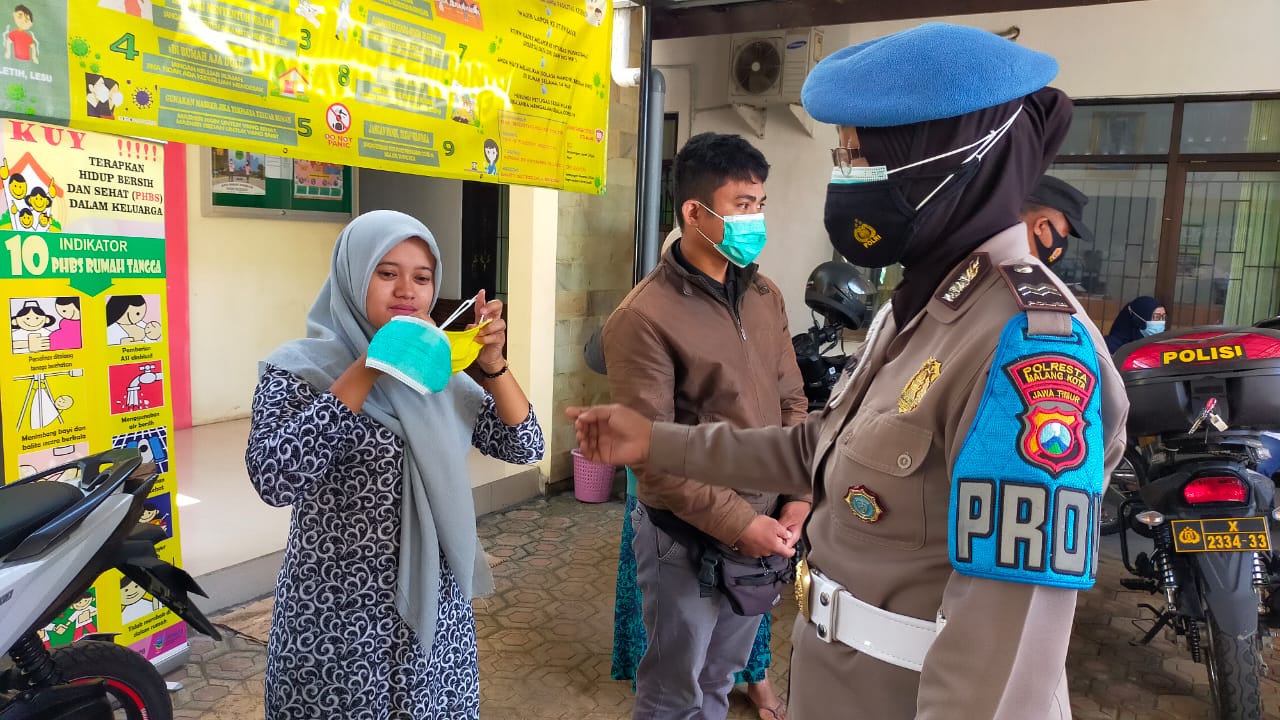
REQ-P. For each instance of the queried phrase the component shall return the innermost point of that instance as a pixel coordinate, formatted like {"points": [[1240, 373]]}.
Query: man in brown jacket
{"points": [[958, 468], [704, 338]]}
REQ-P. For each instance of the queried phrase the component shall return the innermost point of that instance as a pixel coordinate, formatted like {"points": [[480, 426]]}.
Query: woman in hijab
{"points": [[1143, 317], [955, 468], [372, 616]]}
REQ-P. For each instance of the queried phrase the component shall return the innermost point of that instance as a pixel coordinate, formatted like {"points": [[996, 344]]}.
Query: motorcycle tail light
{"points": [[1215, 489]]}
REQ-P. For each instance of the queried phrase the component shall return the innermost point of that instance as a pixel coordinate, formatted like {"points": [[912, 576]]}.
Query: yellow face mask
{"points": [[463, 348]]}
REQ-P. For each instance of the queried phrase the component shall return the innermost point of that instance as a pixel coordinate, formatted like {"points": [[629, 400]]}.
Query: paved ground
{"points": [[545, 637]]}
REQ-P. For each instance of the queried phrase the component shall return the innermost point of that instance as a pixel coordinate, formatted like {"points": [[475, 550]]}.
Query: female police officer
{"points": [[957, 470]]}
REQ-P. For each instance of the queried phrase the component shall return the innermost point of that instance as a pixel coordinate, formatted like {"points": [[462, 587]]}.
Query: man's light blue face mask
{"points": [[744, 237]]}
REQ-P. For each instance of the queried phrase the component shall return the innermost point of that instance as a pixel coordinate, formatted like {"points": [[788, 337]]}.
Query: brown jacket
{"points": [[677, 351], [1002, 651]]}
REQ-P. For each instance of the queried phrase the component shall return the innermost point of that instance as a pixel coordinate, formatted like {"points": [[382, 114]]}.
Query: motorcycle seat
{"points": [[26, 508]]}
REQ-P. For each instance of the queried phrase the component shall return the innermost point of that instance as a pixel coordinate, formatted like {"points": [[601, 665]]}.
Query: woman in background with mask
{"points": [[1143, 317], [955, 470], [373, 611]]}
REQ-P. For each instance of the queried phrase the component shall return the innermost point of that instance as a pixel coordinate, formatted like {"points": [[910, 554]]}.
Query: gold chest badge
{"points": [[918, 385], [864, 503], [865, 234]]}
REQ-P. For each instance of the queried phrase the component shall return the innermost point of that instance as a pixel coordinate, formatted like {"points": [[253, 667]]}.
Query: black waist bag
{"points": [[753, 586]]}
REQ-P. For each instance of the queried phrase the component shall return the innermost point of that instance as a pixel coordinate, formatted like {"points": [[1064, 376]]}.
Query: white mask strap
{"points": [[983, 146]]}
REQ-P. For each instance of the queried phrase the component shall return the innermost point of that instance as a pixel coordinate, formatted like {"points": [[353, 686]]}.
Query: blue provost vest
{"points": [[1027, 486]]}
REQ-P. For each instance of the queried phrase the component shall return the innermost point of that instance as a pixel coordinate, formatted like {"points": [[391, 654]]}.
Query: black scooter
{"points": [[1200, 400]]}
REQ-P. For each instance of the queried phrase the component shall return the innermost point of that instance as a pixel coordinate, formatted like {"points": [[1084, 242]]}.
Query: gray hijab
{"points": [[437, 512]]}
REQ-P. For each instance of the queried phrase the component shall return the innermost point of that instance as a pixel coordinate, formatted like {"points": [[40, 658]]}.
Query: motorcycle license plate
{"points": [[1247, 534]]}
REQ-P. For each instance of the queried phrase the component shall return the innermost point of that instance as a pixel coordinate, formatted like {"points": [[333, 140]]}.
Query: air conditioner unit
{"points": [[769, 68]]}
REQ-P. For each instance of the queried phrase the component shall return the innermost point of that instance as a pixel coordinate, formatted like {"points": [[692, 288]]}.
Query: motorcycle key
{"points": [[1205, 412]]}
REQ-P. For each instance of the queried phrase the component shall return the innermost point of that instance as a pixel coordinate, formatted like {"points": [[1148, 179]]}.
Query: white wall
{"points": [[531, 319], [437, 202], [1153, 47], [252, 282]]}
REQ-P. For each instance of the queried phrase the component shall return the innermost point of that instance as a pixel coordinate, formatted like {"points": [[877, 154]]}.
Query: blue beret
{"points": [[926, 73]]}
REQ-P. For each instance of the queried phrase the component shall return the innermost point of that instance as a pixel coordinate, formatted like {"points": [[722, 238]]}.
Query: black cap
{"points": [[1059, 195]]}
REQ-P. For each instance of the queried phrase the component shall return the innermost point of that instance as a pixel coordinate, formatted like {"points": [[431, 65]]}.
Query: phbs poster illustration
{"points": [[82, 276], [490, 90]]}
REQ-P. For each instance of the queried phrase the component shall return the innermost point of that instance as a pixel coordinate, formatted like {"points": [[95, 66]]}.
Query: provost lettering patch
{"points": [[1028, 482]]}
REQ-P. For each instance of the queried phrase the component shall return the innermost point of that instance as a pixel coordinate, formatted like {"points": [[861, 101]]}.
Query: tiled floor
{"points": [[545, 637]]}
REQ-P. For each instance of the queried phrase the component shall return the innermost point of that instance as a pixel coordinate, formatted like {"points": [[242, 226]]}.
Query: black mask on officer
{"points": [[1056, 250], [869, 219], [873, 225]]}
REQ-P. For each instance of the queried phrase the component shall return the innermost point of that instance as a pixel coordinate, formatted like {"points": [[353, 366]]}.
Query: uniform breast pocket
{"points": [[876, 481]]}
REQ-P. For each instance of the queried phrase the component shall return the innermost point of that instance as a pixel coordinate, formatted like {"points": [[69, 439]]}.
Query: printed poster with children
{"points": [[34, 73], [82, 266], [484, 90]]}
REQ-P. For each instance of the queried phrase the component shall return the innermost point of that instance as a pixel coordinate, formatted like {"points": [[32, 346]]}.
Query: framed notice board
{"points": [[249, 184]]}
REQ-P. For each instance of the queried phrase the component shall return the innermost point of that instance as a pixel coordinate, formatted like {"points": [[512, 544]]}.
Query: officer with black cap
{"points": [[957, 469], [1051, 212]]}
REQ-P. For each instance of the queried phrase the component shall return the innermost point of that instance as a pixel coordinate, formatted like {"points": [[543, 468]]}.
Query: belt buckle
{"points": [[803, 581]]}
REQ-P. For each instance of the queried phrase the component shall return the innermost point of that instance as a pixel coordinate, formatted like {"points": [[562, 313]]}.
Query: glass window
{"points": [[502, 291], [670, 123], [1236, 126], [1125, 207], [1119, 130], [666, 199], [1229, 249]]}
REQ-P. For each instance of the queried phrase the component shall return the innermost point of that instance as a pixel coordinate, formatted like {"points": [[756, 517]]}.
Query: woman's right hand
{"points": [[612, 434], [353, 385]]}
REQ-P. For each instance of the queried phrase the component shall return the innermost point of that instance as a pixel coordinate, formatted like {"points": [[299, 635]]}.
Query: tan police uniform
{"points": [[882, 457]]}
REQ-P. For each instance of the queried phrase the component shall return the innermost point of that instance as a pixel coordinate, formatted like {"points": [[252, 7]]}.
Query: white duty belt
{"points": [[840, 617]]}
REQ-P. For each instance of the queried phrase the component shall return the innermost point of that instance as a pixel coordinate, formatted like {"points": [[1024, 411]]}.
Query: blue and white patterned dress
{"points": [[339, 648]]}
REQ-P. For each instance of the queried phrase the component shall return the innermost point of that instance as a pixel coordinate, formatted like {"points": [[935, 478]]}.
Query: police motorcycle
{"points": [[59, 530], [839, 297], [1201, 400]]}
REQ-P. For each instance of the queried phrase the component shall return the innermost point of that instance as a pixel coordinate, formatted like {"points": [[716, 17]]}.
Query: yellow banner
{"points": [[82, 268], [497, 90]]}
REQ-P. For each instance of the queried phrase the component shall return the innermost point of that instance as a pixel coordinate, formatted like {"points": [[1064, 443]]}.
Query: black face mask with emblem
{"points": [[873, 225], [1053, 254]]}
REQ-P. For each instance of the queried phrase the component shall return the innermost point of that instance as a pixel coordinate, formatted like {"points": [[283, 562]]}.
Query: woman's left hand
{"points": [[493, 336]]}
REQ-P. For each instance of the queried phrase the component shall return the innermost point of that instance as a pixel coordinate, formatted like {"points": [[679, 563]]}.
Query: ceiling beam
{"points": [[672, 21]]}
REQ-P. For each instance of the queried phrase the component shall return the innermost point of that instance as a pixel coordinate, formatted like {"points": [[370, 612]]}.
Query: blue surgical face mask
{"points": [[744, 237], [1154, 327], [413, 351]]}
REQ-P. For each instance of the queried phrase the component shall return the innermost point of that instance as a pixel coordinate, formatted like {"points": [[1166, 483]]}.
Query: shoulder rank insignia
{"points": [[918, 385], [952, 291], [1034, 289], [864, 503]]}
